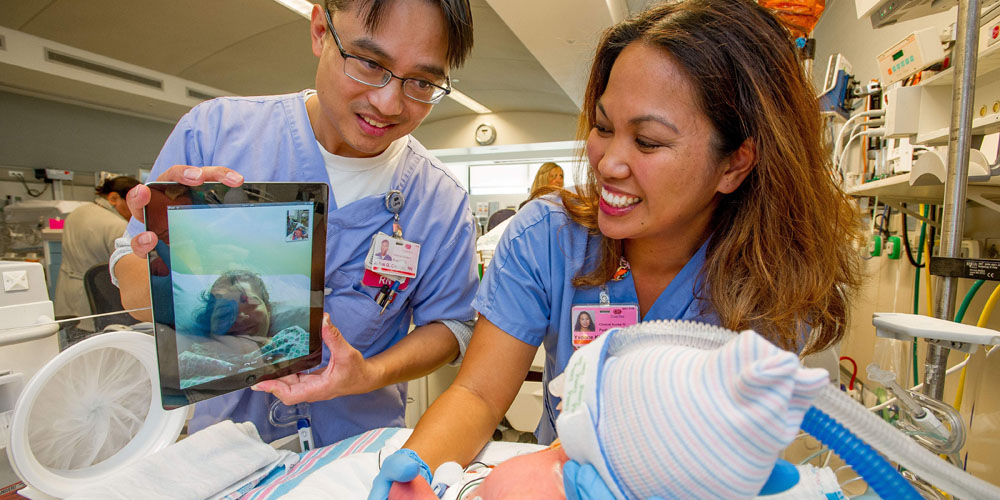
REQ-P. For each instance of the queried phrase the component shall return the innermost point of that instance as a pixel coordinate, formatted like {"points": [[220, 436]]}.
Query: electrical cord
{"points": [[870, 123], [872, 132], [906, 242], [33, 194], [840, 133], [883, 221], [854, 372]]}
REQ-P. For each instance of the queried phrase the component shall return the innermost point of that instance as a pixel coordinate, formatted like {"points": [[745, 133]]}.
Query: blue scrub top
{"points": [[270, 138], [527, 290]]}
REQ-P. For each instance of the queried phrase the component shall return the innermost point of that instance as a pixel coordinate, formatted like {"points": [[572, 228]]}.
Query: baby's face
{"points": [[253, 318], [534, 476]]}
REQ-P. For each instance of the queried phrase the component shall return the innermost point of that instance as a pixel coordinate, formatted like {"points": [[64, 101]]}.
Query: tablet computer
{"points": [[237, 281]]}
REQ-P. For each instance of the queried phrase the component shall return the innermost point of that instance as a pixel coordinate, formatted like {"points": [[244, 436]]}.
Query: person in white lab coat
{"points": [[88, 239]]}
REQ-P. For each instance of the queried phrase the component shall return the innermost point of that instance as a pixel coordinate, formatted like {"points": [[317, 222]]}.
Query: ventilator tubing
{"points": [[880, 475], [895, 445]]}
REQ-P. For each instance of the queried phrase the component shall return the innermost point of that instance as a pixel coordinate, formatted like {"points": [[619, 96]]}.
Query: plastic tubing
{"points": [[878, 473], [899, 448]]}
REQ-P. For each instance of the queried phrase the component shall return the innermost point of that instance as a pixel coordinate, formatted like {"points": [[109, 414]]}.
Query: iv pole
{"points": [[964, 57]]}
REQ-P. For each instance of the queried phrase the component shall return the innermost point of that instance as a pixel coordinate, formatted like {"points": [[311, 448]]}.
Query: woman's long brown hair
{"points": [[781, 258]]}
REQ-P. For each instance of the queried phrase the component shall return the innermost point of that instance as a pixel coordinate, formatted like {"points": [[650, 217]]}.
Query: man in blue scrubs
{"points": [[382, 66]]}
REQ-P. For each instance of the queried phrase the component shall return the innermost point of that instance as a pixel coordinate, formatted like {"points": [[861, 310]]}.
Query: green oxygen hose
{"points": [[967, 300]]}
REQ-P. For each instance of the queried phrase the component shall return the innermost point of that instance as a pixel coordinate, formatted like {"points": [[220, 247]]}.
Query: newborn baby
{"points": [[675, 422]]}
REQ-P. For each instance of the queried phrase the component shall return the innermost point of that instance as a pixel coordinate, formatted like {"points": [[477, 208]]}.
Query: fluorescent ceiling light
{"points": [[468, 102], [303, 7]]}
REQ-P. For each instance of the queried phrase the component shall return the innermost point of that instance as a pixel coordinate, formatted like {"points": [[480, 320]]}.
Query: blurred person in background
{"points": [[549, 174], [88, 239]]}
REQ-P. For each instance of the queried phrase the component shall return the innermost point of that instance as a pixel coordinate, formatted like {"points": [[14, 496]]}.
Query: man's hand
{"points": [[139, 196], [347, 373]]}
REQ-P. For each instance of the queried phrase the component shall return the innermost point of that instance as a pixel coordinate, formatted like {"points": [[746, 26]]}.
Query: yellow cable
{"points": [[961, 387], [984, 318], [927, 276]]}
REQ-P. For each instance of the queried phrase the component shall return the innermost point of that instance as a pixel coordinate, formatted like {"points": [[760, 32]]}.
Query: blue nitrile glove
{"points": [[582, 482], [400, 467], [783, 477]]}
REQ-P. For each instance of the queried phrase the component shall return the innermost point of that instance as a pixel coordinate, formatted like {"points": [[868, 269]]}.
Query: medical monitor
{"points": [[237, 282]]}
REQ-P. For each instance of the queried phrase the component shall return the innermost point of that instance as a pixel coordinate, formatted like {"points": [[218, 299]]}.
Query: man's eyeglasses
{"points": [[371, 73]]}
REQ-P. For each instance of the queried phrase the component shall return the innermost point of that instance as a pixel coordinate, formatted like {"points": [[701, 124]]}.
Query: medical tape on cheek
{"points": [[579, 418]]}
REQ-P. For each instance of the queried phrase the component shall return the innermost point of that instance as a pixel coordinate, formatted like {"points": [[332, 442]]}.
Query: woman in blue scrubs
{"points": [[709, 197]]}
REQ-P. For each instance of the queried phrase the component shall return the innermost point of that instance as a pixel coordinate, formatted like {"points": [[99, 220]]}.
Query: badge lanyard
{"points": [[394, 201], [590, 321]]}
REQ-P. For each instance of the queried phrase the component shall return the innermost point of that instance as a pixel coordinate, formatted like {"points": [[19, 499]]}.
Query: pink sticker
{"points": [[591, 321], [377, 280]]}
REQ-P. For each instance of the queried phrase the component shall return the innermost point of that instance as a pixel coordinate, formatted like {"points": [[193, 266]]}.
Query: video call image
{"points": [[241, 286]]}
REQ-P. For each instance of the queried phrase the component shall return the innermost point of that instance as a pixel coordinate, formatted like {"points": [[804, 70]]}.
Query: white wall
{"points": [[512, 128]]}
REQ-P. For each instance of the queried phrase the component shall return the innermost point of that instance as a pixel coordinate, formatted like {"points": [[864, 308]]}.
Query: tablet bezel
{"points": [[217, 195]]}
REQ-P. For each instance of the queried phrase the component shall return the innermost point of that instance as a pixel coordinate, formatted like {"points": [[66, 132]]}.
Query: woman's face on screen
{"points": [[253, 317]]}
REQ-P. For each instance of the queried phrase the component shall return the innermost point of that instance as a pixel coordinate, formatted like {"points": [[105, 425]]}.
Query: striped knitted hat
{"points": [[682, 422]]}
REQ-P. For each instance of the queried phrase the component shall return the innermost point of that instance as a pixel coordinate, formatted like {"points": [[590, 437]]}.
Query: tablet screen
{"points": [[235, 294]]}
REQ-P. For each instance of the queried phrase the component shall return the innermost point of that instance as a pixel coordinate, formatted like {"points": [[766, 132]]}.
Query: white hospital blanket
{"points": [[351, 477]]}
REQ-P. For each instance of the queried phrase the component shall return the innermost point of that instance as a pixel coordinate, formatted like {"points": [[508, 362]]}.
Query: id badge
{"points": [[592, 320], [393, 257]]}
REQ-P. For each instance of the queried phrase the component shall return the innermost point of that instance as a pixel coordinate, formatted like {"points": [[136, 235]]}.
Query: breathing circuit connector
{"points": [[888, 380]]}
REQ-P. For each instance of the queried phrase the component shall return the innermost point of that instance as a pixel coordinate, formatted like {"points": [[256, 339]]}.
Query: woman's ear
{"points": [[737, 167]]}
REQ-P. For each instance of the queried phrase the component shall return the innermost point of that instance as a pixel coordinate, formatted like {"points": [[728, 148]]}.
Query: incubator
{"points": [[23, 221]]}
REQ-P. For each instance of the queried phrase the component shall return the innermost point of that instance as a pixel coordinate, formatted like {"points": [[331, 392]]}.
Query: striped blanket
{"points": [[283, 480]]}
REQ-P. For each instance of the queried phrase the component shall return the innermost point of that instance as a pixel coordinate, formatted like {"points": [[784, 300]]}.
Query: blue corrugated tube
{"points": [[876, 471]]}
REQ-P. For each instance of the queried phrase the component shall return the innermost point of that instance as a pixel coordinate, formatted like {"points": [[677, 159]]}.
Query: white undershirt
{"points": [[354, 178]]}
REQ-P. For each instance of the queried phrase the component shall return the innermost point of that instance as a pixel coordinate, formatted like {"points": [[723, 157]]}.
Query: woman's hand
{"points": [[348, 372]]}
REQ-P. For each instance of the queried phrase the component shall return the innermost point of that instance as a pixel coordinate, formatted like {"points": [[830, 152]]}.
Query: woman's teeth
{"points": [[617, 200], [374, 123]]}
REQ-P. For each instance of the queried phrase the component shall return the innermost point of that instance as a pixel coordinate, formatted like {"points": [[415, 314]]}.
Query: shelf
{"points": [[898, 189], [980, 126], [989, 60]]}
